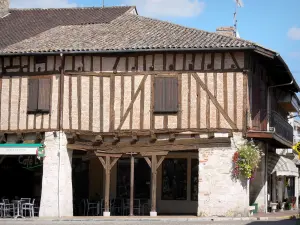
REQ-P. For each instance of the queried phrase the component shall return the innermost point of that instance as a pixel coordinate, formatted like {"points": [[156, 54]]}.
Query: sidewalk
{"points": [[279, 215], [259, 216]]}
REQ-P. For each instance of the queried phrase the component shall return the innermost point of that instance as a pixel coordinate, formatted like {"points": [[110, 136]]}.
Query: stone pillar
{"points": [[280, 186], [258, 185], [219, 193], [274, 183], [57, 192]]}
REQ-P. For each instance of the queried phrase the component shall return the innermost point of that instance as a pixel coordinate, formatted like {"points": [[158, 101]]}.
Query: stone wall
{"points": [[219, 193], [57, 192]]}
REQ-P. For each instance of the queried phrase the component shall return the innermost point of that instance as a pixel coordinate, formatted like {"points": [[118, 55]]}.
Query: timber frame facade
{"points": [[108, 104]]}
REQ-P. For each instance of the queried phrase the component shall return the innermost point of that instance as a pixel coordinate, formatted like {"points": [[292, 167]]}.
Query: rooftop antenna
{"points": [[102, 3], [239, 4]]}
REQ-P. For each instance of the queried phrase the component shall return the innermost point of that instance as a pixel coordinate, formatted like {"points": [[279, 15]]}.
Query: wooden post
{"points": [[107, 165], [153, 185], [107, 186], [131, 184], [154, 165]]}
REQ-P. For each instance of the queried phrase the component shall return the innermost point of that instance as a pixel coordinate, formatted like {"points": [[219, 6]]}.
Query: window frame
{"points": [[155, 83], [37, 110]]}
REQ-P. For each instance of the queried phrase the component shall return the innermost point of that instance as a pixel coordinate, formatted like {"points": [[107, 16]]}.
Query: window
{"points": [[174, 179], [194, 179], [39, 95], [165, 95]]}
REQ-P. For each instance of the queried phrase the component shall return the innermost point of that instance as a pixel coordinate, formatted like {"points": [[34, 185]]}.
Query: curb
{"points": [[148, 219]]}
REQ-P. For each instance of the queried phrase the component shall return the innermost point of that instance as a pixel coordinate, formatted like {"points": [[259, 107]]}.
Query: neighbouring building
{"points": [[112, 94]]}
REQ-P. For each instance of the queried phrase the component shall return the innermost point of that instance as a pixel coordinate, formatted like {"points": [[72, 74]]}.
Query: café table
{"points": [[18, 204]]}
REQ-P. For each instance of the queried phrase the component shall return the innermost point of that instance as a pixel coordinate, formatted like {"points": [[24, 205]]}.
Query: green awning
{"points": [[19, 149]]}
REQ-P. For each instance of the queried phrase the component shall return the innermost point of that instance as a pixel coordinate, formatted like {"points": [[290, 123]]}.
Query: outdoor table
{"points": [[18, 203]]}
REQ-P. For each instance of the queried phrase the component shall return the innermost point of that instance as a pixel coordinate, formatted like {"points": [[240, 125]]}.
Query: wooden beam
{"points": [[161, 159], [20, 138], [148, 160], [215, 101], [128, 133], [107, 184], [98, 140], [38, 137], [153, 137], [145, 154], [134, 138], [172, 137], [153, 182], [132, 102], [131, 184], [114, 162], [103, 154], [71, 137], [102, 162], [116, 139], [158, 146], [234, 60]]}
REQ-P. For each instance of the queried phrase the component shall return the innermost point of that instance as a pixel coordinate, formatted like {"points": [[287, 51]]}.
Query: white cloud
{"points": [[168, 8], [294, 33], [42, 4]]}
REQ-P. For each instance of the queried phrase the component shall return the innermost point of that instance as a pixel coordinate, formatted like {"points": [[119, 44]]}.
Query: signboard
{"points": [[296, 148], [20, 149]]}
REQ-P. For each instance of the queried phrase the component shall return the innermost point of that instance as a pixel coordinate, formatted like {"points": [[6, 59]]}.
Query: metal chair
{"points": [[116, 206], [1, 209], [137, 207], [91, 206], [8, 208], [27, 206]]}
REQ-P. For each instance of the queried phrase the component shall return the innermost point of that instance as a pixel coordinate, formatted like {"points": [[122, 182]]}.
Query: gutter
{"points": [[288, 71], [130, 51]]}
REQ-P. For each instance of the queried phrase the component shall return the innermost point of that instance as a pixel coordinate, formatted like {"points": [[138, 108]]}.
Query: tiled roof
{"points": [[22, 24], [127, 32]]}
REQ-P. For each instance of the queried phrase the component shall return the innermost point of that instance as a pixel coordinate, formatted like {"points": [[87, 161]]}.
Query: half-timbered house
{"points": [[150, 109]]}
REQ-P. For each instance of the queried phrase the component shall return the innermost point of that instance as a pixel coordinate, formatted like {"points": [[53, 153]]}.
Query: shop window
{"points": [[194, 179], [39, 91], [174, 179], [165, 95]]}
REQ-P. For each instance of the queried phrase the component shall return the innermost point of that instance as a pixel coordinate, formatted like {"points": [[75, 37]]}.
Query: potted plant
{"points": [[246, 160]]}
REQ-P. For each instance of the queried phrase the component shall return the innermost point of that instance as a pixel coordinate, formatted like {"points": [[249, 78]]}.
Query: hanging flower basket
{"points": [[246, 160]]}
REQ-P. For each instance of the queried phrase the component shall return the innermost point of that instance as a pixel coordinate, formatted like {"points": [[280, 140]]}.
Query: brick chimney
{"points": [[228, 31], [4, 8]]}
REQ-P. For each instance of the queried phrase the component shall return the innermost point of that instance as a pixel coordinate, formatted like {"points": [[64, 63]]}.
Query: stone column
{"points": [[57, 192], [274, 183], [219, 193]]}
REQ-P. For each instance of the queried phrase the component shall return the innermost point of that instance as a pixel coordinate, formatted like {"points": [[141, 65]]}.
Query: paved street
{"points": [[36, 222]]}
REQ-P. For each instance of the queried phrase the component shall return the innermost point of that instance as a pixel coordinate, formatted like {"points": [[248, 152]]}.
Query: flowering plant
{"points": [[246, 160]]}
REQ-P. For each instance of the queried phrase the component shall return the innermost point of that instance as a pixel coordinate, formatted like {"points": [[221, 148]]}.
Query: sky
{"points": [[274, 24]]}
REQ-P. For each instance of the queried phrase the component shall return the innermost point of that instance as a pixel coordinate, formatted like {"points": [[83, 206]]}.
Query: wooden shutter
{"points": [[44, 95], [166, 95], [32, 102]]}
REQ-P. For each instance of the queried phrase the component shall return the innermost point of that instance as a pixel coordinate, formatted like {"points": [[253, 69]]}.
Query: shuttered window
{"points": [[165, 95], [39, 95]]}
